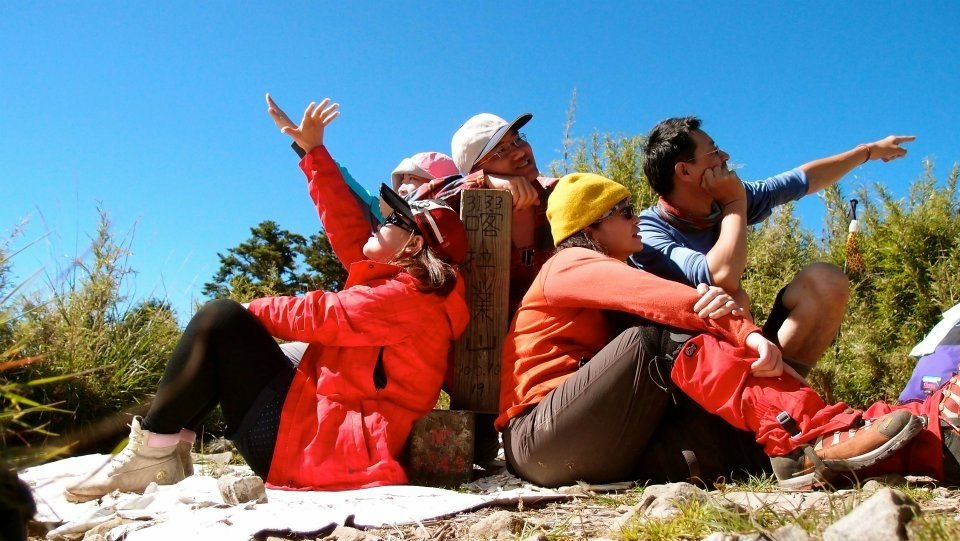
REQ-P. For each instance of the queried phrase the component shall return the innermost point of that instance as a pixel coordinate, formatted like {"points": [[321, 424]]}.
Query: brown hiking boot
{"points": [[132, 469], [847, 450]]}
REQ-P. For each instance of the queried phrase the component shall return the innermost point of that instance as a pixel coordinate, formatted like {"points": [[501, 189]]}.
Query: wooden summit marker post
{"points": [[442, 442], [486, 215]]}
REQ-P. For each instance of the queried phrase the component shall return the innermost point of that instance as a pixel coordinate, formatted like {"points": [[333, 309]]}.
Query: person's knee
{"points": [[218, 312], [823, 285]]}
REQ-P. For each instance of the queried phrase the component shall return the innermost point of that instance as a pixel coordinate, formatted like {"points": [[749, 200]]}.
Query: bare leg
{"points": [[817, 300]]}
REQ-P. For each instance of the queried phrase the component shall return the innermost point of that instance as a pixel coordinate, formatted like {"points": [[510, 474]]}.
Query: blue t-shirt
{"points": [[681, 256]]}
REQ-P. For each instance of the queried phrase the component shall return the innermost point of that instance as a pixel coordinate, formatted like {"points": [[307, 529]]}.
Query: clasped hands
{"points": [[714, 303]]}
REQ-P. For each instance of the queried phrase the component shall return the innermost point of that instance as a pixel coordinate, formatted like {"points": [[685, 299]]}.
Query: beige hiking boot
{"points": [[184, 448], [132, 469]]}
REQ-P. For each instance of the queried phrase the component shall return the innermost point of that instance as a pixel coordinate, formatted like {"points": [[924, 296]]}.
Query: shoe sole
{"points": [[73, 497], [815, 479]]}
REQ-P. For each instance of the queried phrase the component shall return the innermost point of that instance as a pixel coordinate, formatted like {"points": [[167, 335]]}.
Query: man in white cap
{"points": [[496, 147], [489, 143]]}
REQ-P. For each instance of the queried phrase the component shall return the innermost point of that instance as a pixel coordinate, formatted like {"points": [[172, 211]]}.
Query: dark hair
{"points": [[669, 143], [432, 274], [581, 240]]}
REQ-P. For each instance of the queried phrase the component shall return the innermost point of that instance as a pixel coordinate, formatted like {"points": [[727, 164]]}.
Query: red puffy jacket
{"points": [[341, 429]]}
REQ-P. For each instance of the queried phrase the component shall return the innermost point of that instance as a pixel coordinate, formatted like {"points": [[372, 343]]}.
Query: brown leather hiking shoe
{"points": [[847, 450]]}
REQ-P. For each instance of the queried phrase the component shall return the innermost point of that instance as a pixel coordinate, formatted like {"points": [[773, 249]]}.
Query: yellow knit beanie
{"points": [[579, 200]]}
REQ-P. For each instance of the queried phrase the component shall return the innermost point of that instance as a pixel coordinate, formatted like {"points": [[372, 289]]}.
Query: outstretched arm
{"points": [[345, 219], [826, 171]]}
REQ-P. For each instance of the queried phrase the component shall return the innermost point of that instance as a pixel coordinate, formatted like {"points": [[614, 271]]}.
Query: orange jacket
{"points": [[341, 429], [561, 321]]}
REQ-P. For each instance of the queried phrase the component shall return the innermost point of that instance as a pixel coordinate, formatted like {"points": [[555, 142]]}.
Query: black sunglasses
{"points": [[626, 210], [398, 220]]}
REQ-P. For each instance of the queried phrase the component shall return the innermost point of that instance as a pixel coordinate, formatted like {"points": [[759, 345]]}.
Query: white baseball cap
{"points": [[478, 136]]}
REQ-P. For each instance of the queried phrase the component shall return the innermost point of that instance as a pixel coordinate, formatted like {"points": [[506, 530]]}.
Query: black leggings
{"points": [[224, 357]]}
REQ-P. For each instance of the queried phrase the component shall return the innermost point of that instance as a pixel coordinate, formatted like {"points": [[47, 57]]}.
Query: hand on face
{"points": [[889, 148], [512, 157], [723, 184]]}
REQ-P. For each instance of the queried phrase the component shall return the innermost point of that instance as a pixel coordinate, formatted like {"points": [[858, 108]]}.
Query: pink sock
{"points": [[188, 435], [162, 440]]}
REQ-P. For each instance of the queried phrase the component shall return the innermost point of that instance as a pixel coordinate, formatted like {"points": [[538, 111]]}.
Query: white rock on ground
{"points": [[499, 525], [882, 517]]}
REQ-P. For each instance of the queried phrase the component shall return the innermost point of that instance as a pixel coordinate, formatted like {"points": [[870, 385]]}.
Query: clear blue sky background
{"points": [[154, 111]]}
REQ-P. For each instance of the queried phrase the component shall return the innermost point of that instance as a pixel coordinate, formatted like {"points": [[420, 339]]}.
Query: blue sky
{"points": [[154, 111]]}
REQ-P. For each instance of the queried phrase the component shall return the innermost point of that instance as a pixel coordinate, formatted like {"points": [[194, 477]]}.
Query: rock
{"points": [[882, 517], [237, 490], [537, 537], [722, 536], [790, 532], [942, 492], [784, 502], [889, 479], [575, 490], [499, 525], [663, 501], [871, 487]]}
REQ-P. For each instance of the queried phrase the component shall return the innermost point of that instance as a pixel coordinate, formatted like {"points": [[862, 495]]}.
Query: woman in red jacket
{"points": [[577, 397], [374, 361]]}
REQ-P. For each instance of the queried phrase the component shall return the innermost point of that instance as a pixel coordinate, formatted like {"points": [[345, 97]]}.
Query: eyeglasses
{"points": [[399, 221], [624, 209], [704, 155], [505, 148]]}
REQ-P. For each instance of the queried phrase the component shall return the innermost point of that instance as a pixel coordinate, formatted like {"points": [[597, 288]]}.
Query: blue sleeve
{"points": [[668, 254], [763, 196], [370, 204]]}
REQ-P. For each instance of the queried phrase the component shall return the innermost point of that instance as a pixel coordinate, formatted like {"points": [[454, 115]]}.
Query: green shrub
{"points": [[81, 326]]}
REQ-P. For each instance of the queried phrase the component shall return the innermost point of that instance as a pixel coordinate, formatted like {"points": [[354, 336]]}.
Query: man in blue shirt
{"points": [[697, 232]]}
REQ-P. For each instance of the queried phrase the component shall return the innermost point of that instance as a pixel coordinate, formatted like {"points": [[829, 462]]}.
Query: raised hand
{"points": [[309, 134], [279, 117], [889, 147]]}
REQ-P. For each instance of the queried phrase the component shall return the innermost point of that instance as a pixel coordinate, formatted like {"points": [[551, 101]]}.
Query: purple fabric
{"points": [[931, 372]]}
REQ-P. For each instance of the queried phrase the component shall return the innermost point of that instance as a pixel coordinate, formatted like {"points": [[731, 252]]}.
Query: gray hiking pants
{"points": [[595, 426]]}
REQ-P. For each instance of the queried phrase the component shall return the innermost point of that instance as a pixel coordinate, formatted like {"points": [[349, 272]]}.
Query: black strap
{"points": [[693, 465], [789, 424]]}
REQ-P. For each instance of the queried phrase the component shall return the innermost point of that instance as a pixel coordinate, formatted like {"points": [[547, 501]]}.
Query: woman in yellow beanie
{"points": [[583, 382]]}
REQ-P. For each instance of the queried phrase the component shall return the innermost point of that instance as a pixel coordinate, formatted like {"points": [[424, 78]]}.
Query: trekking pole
{"points": [[852, 259]]}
